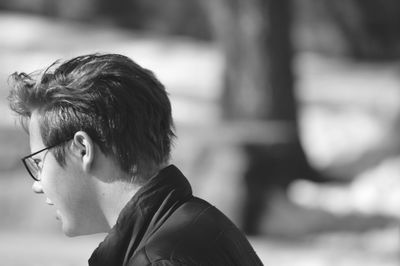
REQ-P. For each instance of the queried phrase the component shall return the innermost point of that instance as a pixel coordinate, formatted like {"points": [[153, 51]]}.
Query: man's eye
{"points": [[37, 162]]}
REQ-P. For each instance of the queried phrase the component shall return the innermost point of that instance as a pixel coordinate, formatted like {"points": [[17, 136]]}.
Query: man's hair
{"points": [[120, 105]]}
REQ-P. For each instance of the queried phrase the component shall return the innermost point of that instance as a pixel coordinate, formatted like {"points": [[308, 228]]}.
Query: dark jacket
{"points": [[164, 224]]}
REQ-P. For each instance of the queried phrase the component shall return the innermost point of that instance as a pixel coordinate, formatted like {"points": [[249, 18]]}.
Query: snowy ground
{"points": [[348, 109]]}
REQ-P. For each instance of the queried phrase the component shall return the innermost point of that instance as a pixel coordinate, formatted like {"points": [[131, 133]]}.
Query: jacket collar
{"points": [[143, 214]]}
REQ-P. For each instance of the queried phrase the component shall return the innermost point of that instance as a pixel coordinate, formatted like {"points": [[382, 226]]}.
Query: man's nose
{"points": [[37, 187]]}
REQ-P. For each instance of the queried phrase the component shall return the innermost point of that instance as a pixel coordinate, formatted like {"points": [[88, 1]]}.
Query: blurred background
{"points": [[287, 115]]}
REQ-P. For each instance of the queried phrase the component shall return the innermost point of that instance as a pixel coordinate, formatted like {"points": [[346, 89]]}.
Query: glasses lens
{"points": [[32, 168]]}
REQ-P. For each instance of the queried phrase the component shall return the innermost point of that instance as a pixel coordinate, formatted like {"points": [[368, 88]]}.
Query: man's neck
{"points": [[113, 198], [116, 194]]}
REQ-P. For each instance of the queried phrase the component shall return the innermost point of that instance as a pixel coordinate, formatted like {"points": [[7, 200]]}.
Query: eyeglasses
{"points": [[32, 165]]}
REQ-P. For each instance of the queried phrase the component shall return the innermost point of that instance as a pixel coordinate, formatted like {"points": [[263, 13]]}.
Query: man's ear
{"points": [[83, 148]]}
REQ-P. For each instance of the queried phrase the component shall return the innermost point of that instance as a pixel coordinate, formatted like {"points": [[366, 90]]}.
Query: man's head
{"points": [[95, 122], [120, 105]]}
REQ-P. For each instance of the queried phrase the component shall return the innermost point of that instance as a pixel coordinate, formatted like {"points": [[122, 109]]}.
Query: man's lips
{"points": [[48, 201], [58, 214]]}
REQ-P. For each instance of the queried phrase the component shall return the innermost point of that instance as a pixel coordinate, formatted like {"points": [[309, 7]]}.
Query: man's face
{"points": [[68, 189]]}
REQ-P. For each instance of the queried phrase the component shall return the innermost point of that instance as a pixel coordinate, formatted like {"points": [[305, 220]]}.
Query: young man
{"points": [[100, 130]]}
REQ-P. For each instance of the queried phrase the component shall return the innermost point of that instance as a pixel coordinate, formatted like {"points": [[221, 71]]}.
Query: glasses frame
{"points": [[37, 152]]}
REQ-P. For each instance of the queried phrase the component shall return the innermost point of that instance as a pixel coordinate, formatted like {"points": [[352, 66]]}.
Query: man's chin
{"points": [[73, 232], [73, 227], [70, 232], [66, 227]]}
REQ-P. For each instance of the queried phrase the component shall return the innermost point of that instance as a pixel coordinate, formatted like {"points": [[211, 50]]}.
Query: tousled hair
{"points": [[119, 104]]}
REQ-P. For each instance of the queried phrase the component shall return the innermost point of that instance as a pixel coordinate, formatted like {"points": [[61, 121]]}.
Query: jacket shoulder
{"points": [[196, 233]]}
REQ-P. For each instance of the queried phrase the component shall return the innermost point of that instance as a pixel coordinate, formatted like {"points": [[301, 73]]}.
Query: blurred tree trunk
{"points": [[259, 85], [255, 35]]}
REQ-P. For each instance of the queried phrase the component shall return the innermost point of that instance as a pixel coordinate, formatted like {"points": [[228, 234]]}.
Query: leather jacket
{"points": [[164, 224]]}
